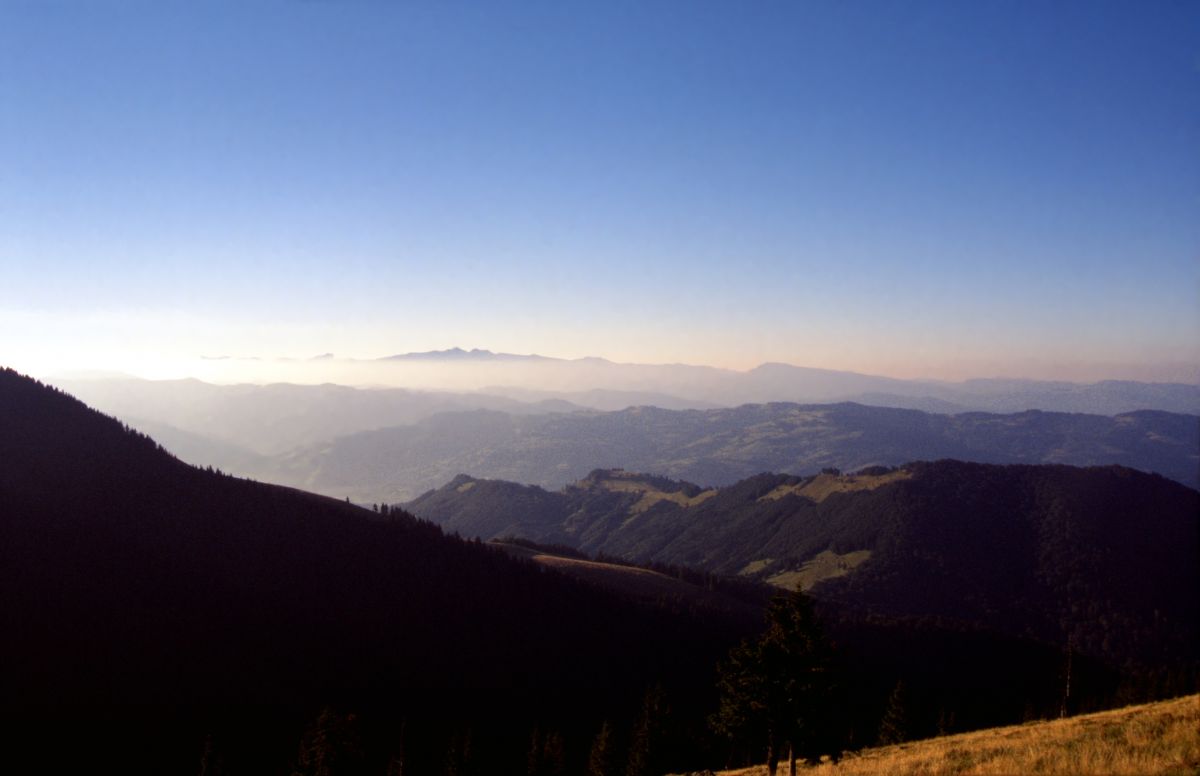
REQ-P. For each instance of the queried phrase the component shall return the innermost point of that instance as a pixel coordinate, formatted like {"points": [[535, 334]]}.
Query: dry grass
{"points": [[1156, 738], [631, 581], [825, 565], [652, 495], [823, 486], [755, 566]]}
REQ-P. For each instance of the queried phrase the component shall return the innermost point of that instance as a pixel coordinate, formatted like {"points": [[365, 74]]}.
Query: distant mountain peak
{"points": [[459, 354]]}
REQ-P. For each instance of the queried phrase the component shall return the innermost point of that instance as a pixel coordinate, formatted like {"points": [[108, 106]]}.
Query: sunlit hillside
{"points": [[1155, 738]]}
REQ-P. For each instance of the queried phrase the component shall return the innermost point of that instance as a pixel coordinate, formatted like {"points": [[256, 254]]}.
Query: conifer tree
{"points": [[893, 728], [210, 760], [459, 755], [329, 747], [602, 760], [778, 689], [534, 758], [649, 732], [554, 755]]}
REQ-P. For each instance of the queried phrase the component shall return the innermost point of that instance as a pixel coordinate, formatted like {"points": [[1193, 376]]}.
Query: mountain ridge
{"points": [[460, 369], [1047, 550], [721, 446], [459, 354]]}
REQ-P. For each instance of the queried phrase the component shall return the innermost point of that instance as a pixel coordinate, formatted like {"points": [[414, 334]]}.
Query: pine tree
{"points": [[534, 758], [459, 756], [329, 746], [893, 728], [210, 760], [778, 689], [649, 732], [602, 760], [554, 755], [396, 764]]}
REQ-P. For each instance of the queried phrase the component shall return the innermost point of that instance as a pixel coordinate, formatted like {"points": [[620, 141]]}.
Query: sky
{"points": [[916, 189]]}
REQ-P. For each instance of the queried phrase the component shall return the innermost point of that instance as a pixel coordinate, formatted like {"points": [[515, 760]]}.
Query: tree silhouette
{"points": [[646, 746], [602, 760], [330, 746], [893, 728], [777, 690], [547, 754]]}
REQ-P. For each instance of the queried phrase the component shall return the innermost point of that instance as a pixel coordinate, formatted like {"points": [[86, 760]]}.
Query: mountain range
{"points": [[787, 382], [390, 444], [460, 370], [721, 446]]}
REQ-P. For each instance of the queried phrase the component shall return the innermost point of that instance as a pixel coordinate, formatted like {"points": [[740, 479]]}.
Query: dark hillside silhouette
{"points": [[153, 611]]}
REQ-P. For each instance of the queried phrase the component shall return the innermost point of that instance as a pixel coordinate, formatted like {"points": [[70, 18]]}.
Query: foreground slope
{"points": [[722, 446], [1102, 559], [1154, 738], [137, 589]]}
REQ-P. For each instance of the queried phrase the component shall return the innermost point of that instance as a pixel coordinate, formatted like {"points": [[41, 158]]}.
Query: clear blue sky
{"points": [[942, 189]]}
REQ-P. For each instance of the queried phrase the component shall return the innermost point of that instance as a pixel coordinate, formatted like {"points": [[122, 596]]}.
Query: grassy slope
{"points": [[1155, 738], [637, 583]]}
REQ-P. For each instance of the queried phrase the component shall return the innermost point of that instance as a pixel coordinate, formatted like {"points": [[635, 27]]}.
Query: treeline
{"points": [[749, 591], [652, 735], [563, 550], [883, 681], [742, 589]]}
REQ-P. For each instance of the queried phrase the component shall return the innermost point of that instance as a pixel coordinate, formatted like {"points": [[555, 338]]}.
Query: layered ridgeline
{"points": [[401, 442], [155, 614], [722, 446], [598, 383], [1104, 560]]}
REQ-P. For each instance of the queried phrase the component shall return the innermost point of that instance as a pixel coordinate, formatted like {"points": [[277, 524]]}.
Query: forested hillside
{"points": [[1103, 559], [157, 615]]}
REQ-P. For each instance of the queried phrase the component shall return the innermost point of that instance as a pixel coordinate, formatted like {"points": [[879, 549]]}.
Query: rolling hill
{"points": [[722, 446]]}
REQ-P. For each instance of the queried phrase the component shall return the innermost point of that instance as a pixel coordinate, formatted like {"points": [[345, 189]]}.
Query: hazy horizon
{"points": [[935, 190], [479, 374]]}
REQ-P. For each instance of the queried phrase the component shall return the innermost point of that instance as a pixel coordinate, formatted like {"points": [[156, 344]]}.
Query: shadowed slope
{"points": [[138, 588]]}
